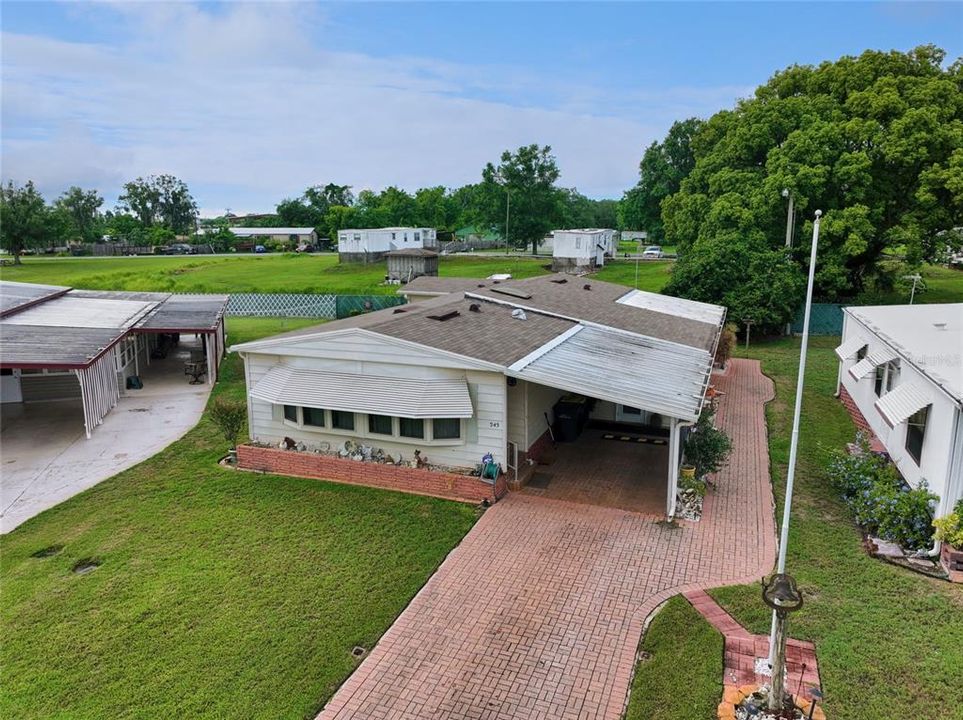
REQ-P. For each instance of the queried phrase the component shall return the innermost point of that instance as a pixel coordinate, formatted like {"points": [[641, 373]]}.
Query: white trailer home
{"points": [[487, 371], [581, 249], [371, 244], [901, 378]]}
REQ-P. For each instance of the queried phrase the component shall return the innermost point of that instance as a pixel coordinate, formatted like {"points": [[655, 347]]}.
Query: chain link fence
{"points": [[311, 306], [825, 319]]}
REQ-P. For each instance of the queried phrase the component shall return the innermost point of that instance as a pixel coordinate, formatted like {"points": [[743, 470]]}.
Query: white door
{"points": [[626, 414], [10, 386]]}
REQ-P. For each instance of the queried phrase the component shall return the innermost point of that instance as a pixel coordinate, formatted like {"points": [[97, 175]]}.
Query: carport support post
{"points": [[673, 484]]}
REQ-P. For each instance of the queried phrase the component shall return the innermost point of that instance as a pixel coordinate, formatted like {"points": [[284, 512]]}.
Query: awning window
{"points": [[372, 394], [872, 361], [902, 402], [850, 347]]}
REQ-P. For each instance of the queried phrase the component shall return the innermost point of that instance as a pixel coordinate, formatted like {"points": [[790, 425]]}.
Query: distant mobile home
{"points": [[581, 249], [288, 236], [371, 244]]}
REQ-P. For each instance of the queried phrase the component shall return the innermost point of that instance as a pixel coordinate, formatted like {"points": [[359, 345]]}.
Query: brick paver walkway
{"points": [[539, 612], [742, 648]]}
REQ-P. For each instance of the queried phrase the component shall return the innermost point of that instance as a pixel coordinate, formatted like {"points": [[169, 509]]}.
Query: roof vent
{"points": [[474, 307], [399, 310], [513, 292], [940, 325], [519, 314], [446, 316], [586, 286], [560, 281]]}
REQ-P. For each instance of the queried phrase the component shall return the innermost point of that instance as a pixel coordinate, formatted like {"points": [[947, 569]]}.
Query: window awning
{"points": [[872, 361], [902, 402], [373, 394], [850, 347]]}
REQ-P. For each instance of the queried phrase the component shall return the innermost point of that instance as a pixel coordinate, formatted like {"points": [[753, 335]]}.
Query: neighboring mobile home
{"points": [[577, 250], [901, 377], [289, 237], [371, 244], [479, 372]]}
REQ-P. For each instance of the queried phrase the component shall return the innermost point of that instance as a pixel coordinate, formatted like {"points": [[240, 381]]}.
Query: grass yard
{"points": [[287, 273], [890, 642], [653, 274], [220, 594], [680, 677]]}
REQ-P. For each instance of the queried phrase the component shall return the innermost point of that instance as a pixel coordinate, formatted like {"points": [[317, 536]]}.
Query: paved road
{"points": [[539, 612]]}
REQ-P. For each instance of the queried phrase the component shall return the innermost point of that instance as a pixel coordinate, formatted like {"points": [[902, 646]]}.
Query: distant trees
{"points": [[160, 200], [82, 211], [25, 220], [874, 141]]}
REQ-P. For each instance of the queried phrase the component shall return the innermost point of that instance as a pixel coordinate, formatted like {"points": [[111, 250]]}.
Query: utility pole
{"points": [[508, 208], [794, 443], [915, 278]]}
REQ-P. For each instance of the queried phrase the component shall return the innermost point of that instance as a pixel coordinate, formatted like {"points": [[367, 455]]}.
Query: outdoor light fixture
{"points": [[781, 594]]}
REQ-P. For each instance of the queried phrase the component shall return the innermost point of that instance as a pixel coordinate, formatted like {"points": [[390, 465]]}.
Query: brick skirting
{"points": [[390, 477], [859, 420]]}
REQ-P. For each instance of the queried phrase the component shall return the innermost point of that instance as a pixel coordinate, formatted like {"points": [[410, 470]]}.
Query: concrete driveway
{"points": [[540, 610], [45, 457]]}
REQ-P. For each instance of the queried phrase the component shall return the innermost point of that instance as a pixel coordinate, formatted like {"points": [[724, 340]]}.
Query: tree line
{"points": [[521, 189]]}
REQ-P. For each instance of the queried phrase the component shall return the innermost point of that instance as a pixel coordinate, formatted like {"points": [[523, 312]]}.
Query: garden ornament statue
{"points": [[781, 594]]}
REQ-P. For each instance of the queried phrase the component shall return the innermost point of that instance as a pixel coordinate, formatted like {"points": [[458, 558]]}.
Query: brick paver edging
{"points": [[419, 481], [539, 612]]}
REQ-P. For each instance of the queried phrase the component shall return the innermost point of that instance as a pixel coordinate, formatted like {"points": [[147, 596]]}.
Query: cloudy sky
{"points": [[251, 103]]}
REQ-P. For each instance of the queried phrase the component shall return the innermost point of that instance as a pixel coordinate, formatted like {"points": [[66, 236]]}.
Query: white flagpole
{"points": [[794, 444]]}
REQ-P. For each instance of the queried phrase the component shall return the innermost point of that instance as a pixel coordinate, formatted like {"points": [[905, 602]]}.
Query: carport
{"points": [[60, 344]]}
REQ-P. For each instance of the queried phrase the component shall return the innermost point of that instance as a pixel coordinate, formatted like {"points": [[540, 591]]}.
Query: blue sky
{"points": [[250, 103]]}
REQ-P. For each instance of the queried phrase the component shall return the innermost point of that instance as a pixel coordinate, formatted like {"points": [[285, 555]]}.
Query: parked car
{"points": [[306, 248], [260, 249], [180, 249], [653, 252]]}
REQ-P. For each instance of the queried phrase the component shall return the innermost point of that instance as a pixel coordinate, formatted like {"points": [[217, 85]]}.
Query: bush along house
{"points": [[901, 378], [414, 397]]}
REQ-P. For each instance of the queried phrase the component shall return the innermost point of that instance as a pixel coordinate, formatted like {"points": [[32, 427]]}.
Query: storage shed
{"points": [[405, 265]]}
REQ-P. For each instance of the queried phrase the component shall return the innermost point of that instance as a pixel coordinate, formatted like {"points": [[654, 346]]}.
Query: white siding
{"points": [[937, 441], [385, 239], [485, 432], [541, 398]]}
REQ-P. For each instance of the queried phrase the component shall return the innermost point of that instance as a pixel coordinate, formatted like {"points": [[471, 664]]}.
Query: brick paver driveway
{"points": [[539, 612]]}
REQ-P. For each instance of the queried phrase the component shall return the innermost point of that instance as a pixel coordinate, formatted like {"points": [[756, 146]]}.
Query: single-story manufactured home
{"points": [[493, 370], [57, 343], [901, 378], [371, 244], [291, 237], [583, 249]]}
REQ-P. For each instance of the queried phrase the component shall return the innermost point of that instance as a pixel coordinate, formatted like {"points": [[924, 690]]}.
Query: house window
{"points": [[380, 425], [341, 420], [445, 429], [862, 353], [291, 413], [417, 237], [915, 432], [412, 427], [885, 378], [357, 237], [578, 243], [393, 236], [313, 416]]}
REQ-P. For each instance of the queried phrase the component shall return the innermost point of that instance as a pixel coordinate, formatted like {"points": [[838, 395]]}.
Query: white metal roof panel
{"points": [[250, 232], [903, 401], [850, 347], [680, 307], [642, 372], [402, 397], [872, 361], [82, 312]]}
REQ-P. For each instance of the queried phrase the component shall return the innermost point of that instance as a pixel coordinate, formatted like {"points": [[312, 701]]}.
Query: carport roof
{"points": [[17, 296], [41, 346], [184, 313]]}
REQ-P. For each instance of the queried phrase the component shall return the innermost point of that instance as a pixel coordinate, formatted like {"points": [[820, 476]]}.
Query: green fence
{"points": [[825, 319], [348, 305]]}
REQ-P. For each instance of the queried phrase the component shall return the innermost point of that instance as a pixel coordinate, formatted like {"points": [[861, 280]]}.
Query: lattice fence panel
{"points": [[278, 305]]}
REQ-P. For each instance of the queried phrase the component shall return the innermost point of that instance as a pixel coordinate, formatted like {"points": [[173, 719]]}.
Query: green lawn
{"points": [[285, 273], [680, 677], [940, 285], [652, 274], [889, 641], [220, 594]]}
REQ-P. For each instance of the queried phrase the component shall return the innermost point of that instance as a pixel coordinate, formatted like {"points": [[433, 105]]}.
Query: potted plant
{"points": [[949, 531], [229, 416]]}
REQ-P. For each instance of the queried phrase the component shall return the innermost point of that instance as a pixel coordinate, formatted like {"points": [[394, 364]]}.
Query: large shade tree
{"points": [[874, 141], [25, 220], [160, 200], [525, 179], [82, 211]]}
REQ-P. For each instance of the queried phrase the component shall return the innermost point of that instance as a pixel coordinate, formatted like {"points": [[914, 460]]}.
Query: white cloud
{"points": [[245, 107]]}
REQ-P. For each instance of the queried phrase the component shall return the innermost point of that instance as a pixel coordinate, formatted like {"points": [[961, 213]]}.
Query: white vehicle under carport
{"points": [[653, 252]]}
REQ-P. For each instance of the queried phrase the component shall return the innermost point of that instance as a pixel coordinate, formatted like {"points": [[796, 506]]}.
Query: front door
{"points": [[627, 414], [10, 386]]}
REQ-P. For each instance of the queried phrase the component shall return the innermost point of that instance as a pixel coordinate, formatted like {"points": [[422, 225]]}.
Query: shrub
{"points": [[880, 504], [949, 528], [707, 448], [229, 416], [727, 342]]}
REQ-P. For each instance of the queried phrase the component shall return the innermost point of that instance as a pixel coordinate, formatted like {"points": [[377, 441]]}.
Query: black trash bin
{"points": [[571, 413]]}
